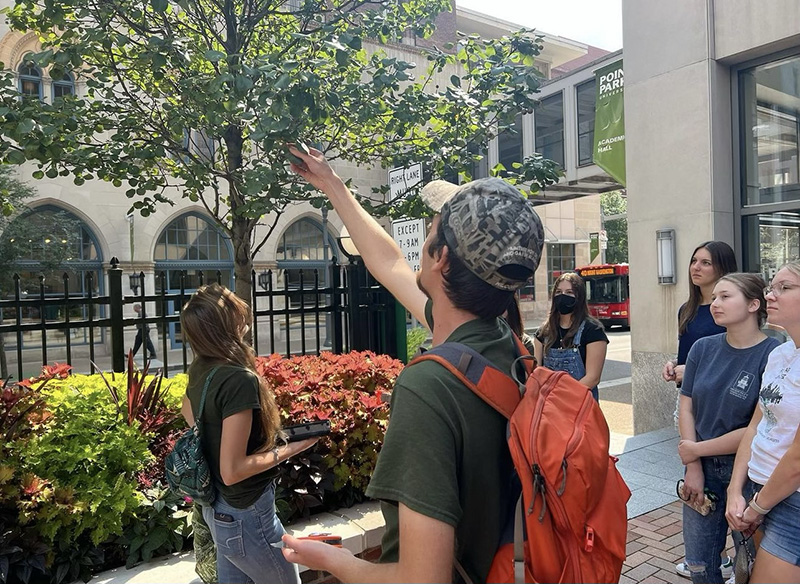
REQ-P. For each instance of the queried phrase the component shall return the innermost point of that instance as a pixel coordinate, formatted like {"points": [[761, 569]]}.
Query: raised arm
{"points": [[381, 254]]}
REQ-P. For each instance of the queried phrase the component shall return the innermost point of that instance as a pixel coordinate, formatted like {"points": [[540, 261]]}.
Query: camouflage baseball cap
{"points": [[491, 227]]}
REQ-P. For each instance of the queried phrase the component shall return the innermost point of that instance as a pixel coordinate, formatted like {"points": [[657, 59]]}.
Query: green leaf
{"points": [[159, 5], [15, 157], [282, 82], [214, 56], [26, 126], [455, 80]]}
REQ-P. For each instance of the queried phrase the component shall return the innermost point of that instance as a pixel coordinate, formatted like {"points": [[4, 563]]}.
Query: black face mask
{"points": [[564, 303]]}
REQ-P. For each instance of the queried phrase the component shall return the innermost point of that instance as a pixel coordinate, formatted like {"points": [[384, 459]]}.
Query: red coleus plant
{"points": [[345, 389], [144, 400], [54, 371]]}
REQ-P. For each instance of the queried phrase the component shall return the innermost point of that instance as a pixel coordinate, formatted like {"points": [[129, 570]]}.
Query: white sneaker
{"points": [[726, 568]]}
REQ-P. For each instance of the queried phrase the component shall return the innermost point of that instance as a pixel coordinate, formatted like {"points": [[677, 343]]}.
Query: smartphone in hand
{"points": [[299, 432]]}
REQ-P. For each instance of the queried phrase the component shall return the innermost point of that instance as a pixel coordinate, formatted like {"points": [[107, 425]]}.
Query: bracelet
{"points": [[753, 504]]}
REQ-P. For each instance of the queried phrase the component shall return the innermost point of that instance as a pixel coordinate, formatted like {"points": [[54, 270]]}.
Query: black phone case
{"points": [[307, 430]]}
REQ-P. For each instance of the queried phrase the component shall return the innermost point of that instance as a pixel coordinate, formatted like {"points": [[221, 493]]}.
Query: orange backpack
{"points": [[574, 522]]}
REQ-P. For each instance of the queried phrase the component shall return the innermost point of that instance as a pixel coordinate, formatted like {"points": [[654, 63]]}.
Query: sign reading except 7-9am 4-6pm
{"points": [[410, 235]]}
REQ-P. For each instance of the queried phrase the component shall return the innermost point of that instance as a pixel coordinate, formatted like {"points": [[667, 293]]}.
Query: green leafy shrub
{"points": [[22, 553], [414, 339], [80, 486], [88, 452], [160, 526], [345, 389]]}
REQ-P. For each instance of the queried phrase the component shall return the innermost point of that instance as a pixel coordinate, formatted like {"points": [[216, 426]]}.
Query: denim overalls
{"points": [[569, 359]]}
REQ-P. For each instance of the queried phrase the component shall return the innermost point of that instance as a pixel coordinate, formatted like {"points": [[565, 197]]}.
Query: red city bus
{"points": [[608, 293]]}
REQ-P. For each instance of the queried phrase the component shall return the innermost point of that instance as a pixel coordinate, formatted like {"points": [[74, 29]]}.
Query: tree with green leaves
{"points": [[199, 99], [615, 204], [48, 239]]}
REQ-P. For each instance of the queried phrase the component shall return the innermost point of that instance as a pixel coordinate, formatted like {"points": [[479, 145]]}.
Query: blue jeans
{"points": [[781, 526], [704, 537], [242, 537]]}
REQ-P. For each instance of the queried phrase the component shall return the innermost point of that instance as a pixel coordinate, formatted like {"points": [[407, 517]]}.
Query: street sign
{"points": [[603, 237], [410, 235], [403, 179]]}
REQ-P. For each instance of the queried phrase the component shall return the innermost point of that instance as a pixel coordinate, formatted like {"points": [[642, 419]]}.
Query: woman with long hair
{"points": [[718, 396], [571, 339], [240, 431], [710, 261], [764, 490]]}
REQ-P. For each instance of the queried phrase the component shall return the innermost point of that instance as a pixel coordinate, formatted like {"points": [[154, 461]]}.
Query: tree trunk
{"points": [[243, 261]]}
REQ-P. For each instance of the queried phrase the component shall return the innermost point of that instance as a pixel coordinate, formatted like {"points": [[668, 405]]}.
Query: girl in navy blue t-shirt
{"points": [[718, 396]]}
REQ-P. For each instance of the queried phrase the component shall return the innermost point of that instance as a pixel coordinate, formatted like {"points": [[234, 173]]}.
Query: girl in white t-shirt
{"points": [[765, 484]]}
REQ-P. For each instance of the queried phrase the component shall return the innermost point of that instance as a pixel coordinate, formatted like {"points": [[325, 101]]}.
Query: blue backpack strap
{"points": [[476, 372], [576, 342]]}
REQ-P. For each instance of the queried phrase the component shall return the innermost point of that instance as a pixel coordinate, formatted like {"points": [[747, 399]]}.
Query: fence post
{"points": [[115, 307], [397, 316], [336, 317]]}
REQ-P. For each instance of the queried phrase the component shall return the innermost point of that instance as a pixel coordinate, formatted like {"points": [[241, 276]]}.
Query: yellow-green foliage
{"points": [[90, 456]]}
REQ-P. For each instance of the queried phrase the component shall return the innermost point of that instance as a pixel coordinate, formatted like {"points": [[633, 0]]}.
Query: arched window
{"points": [[30, 79], [300, 253], [51, 242], [63, 86], [191, 242], [190, 250], [302, 241]]}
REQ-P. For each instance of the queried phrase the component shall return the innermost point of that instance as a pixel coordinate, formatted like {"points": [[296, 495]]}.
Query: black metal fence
{"points": [[349, 312]]}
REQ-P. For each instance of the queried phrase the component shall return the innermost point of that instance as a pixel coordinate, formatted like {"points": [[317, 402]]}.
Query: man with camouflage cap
{"points": [[443, 471]]}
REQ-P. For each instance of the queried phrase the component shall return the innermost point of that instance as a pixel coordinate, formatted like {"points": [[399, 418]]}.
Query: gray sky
{"points": [[594, 22]]}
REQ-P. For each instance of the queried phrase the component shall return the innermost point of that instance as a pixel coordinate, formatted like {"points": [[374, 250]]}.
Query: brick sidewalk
{"points": [[655, 545]]}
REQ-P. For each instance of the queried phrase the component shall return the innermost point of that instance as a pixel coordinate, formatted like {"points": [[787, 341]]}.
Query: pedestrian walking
{"points": [[143, 333], [718, 396], [764, 491], [571, 339], [240, 428]]}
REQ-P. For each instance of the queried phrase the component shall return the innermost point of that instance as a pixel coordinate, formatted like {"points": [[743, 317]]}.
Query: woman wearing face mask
{"points": [[570, 339]]}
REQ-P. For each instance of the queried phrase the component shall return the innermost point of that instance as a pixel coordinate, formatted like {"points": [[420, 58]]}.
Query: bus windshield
{"points": [[607, 289]]}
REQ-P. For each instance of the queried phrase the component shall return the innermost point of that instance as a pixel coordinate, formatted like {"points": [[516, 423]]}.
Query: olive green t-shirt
{"points": [[232, 390], [445, 453]]}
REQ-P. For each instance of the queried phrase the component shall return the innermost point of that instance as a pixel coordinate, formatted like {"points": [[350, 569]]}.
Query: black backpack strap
{"points": [[476, 372], [203, 396]]}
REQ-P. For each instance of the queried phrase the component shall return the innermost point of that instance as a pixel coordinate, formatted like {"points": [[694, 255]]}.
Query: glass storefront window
{"points": [[769, 97], [770, 240], [585, 97], [549, 124], [560, 258]]}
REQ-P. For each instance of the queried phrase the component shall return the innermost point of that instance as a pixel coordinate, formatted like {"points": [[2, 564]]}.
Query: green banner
{"points": [[609, 121], [594, 246]]}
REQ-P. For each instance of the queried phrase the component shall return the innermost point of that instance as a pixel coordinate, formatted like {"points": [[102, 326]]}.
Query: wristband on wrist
{"points": [[753, 504]]}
